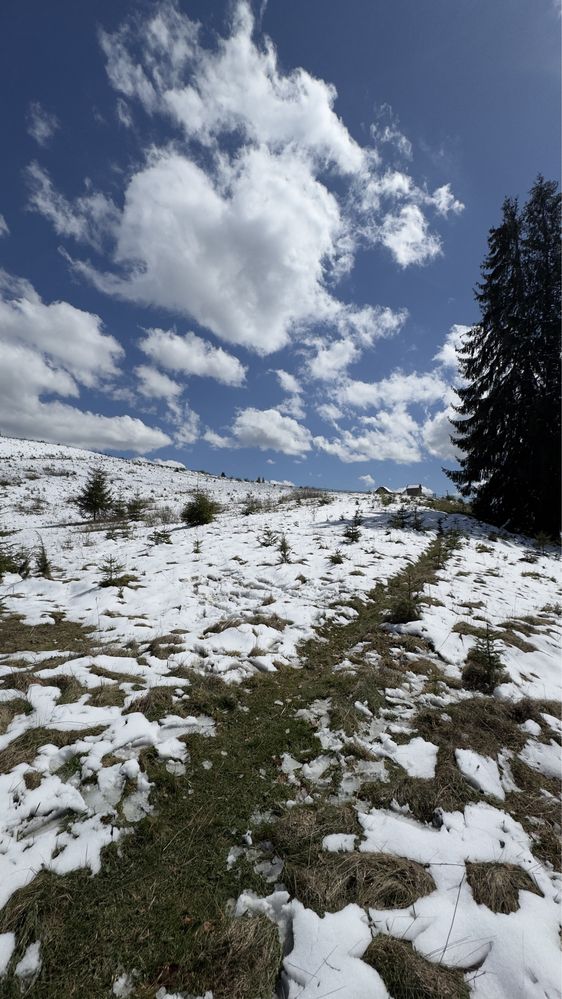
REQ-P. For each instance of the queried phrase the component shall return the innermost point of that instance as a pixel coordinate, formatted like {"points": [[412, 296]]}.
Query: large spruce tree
{"points": [[508, 426]]}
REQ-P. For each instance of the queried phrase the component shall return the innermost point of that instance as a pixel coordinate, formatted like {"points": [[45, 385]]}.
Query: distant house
{"points": [[418, 490], [383, 491]]}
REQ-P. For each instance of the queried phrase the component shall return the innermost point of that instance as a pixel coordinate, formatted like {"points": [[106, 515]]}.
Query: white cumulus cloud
{"points": [[189, 354], [73, 338], [267, 429], [397, 389], [250, 237], [50, 350]]}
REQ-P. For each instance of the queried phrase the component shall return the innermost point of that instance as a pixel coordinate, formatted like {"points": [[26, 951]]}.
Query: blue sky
{"points": [[246, 237]]}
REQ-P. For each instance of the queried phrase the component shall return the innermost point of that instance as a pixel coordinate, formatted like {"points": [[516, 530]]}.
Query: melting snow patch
{"points": [[544, 757], [480, 771], [7, 947], [30, 964]]}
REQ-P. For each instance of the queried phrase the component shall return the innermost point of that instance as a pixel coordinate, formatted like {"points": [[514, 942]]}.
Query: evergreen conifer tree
{"points": [[508, 425], [542, 263], [95, 497]]}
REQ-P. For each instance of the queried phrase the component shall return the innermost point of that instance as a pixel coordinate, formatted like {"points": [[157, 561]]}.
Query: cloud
{"points": [[448, 355], [25, 376], [123, 113], [188, 427], [386, 129], [437, 429], [328, 412], [287, 381], [244, 253], [71, 337], [153, 384], [389, 210], [389, 436], [268, 429], [241, 226], [91, 218], [237, 89], [41, 124], [407, 237], [217, 440], [331, 362], [445, 201], [293, 406], [436, 435], [49, 350], [397, 389], [4, 230], [191, 355], [368, 480]]}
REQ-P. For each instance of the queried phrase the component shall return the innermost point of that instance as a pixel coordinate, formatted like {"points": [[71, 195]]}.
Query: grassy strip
{"points": [[159, 903]]}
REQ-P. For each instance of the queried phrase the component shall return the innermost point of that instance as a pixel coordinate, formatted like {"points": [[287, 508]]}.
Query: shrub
{"points": [[351, 532], [404, 607], [268, 537], [399, 519], [136, 508], [14, 560], [42, 562], [483, 669], [284, 549], [542, 542], [417, 522], [112, 573], [200, 510], [160, 538], [95, 497], [252, 505], [336, 558]]}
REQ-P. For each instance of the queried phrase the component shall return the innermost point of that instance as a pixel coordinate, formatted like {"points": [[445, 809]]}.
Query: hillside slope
{"points": [[361, 813]]}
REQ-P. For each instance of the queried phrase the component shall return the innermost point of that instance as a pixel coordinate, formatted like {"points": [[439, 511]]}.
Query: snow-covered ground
{"points": [[219, 600]]}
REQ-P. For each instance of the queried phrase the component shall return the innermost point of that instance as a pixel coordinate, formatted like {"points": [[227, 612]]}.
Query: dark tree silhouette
{"points": [[508, 425]]}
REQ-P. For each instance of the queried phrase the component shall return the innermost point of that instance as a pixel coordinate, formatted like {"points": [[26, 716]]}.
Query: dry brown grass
{"points": [[70, 688], [25, 748], [408, 975], [498, 885], [248, 958], [537, 811], [10, 709], [297, 835], [22, 680], [326, 882], [447, 791], [108, 696], [334, 880], [155, 704], [164, 645], [223, 624]]}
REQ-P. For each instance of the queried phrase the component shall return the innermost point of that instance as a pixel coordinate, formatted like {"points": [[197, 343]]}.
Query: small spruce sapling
{"points": [[112, 572], [284, 549], [399, 519], [336, 558], [484, 668], [268, 537], [95, 498], [351, 532], [42, 561]]}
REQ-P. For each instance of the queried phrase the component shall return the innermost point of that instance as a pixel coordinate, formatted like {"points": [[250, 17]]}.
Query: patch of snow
{"points": [[480, 771]]}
